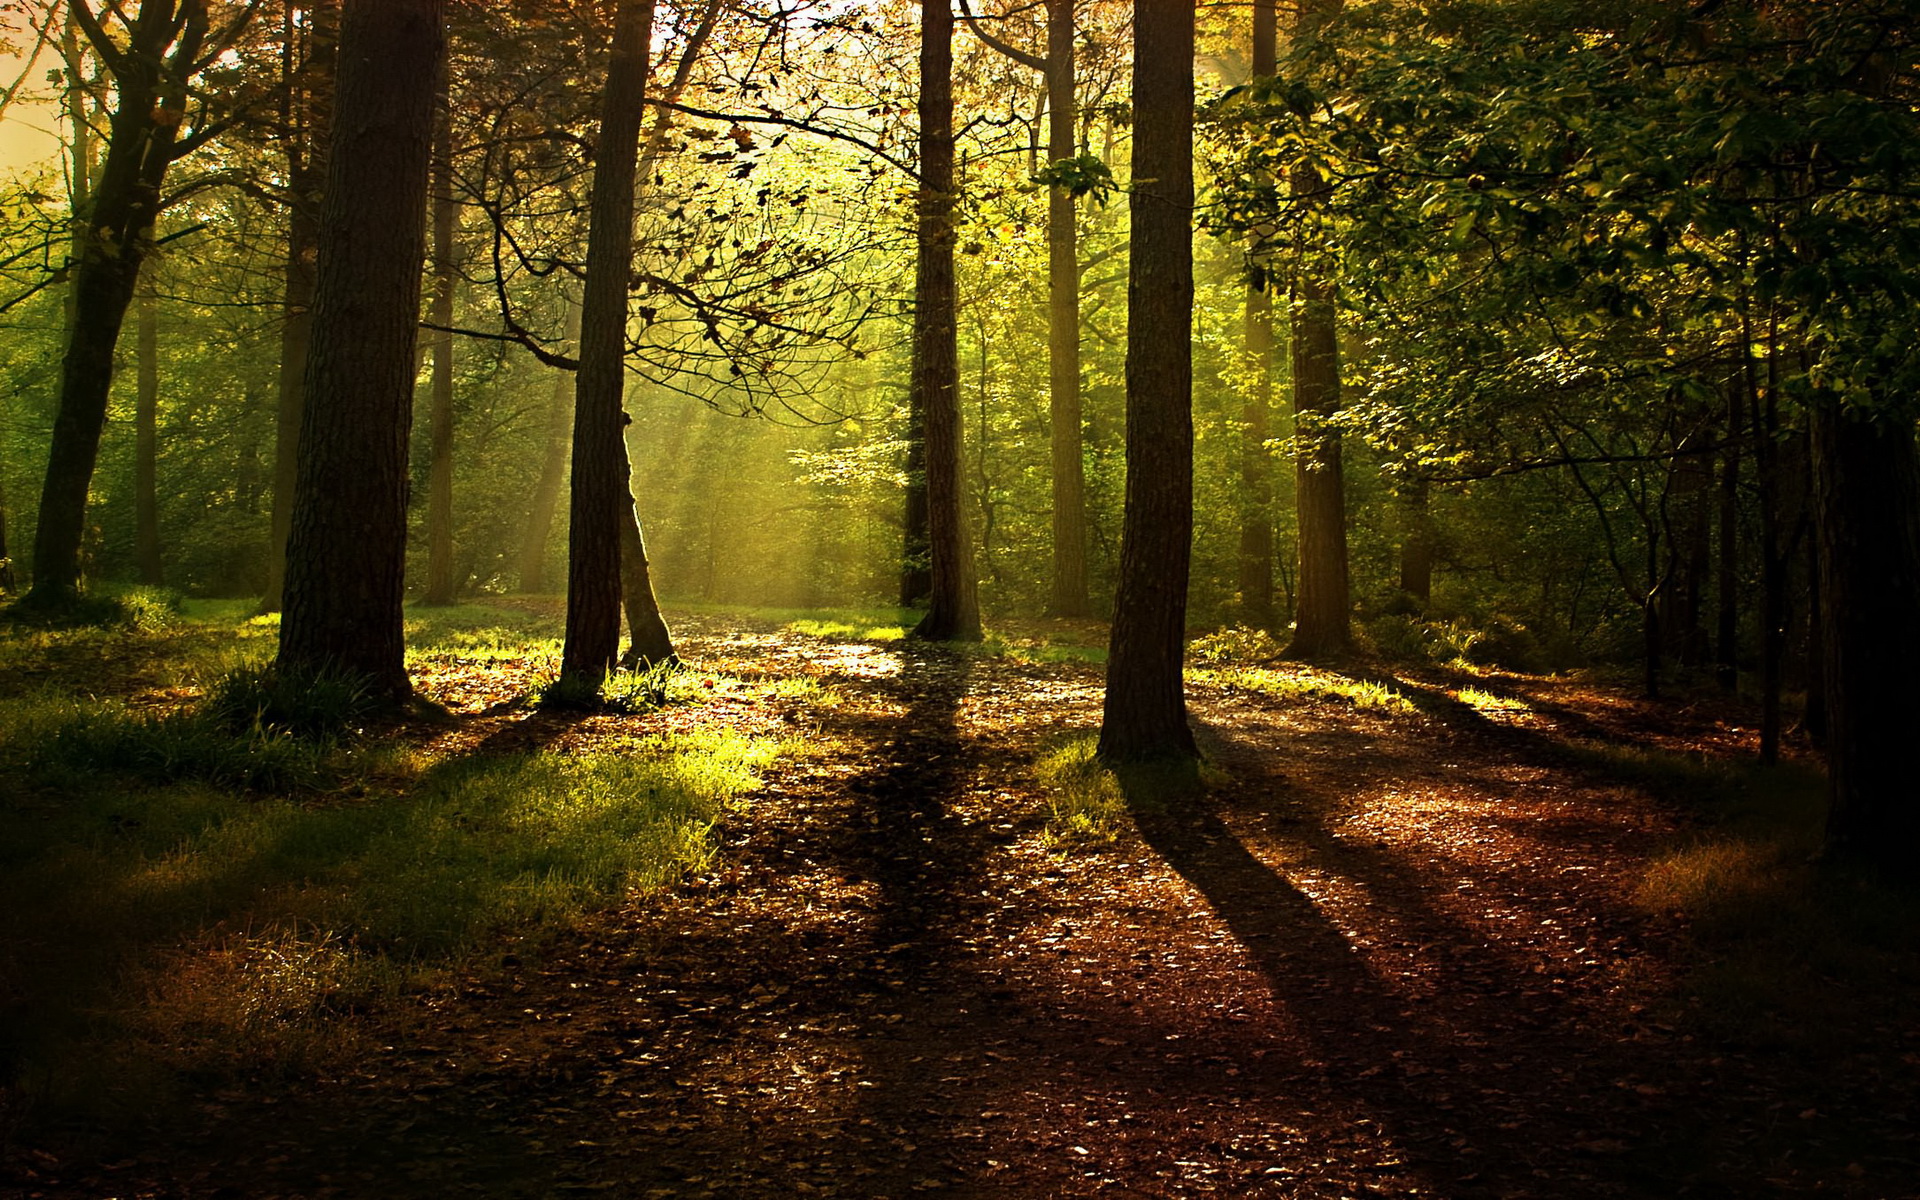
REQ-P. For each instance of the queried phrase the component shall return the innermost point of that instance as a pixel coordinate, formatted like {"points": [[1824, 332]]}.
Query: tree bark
{"points": [[649, 643], [113, 235], [1323, 610], [1145, 713], [600, 485], [1867, 496], [1069, 596], [1417, 541], [146, 445], [553, 469], [953, 607], [307, 119], [1256, 465], [441, 584], [346, 553]]}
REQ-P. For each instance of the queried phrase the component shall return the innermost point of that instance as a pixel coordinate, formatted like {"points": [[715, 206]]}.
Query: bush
{"points": [[1234, 644]]}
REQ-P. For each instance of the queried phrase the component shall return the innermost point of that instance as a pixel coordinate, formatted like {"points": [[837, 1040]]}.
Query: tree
{"points": [[1323, 615], [1256, 465], [953, 608], [167, 43], [308, 43], [441, 584], [600, 479], [1145, 714], [346, 554]]}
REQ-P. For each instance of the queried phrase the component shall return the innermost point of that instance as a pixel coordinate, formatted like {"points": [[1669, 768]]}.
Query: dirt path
{"points": [[1386, 955]]}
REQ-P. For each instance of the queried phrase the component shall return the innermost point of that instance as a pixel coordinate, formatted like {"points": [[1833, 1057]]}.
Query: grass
{"points": [[1790, 951], [1305, 684], [221, 882], [1085, 804]]}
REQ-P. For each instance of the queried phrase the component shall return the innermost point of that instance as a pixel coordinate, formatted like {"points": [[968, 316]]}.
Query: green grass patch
{"points": [[1084, 802], [1306, 686], [1486, 701]]}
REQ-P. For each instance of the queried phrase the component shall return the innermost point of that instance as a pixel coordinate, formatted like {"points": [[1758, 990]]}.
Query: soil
{"points": [[1381, 954]]}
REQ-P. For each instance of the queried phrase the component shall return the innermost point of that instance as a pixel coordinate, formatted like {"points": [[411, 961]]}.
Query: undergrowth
{"points": [[1084, 802]]}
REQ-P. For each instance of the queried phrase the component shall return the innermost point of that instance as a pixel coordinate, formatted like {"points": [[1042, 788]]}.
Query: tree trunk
{"points": [[308, 121], [1069, 598], [599, 452], [146, 446], [1145, 714], [346, 553], [1256, 465], [916, 572], [953, 607], [1323, 611], [441, 584], [1727, 639], [112, 237], [1417, 541], [553, 469], [649, 643], [1867, 497]]}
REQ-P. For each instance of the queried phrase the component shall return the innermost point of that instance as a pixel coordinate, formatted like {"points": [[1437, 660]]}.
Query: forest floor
{"points": [[1412, 949]]}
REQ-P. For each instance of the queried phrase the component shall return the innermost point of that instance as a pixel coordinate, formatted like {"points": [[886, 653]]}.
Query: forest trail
{"points": [[1387, 953]]}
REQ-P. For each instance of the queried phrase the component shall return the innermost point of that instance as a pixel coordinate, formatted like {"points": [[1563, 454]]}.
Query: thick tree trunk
{"points": [[916, 568], [1867, 497], [1323, 610], [1145, 714], [441, 584], [953, 607], [112, 237], [553, 470], [1069, 595], [346, 554], [146, 446], [309, 116], [1256, 464], [600, 484]]}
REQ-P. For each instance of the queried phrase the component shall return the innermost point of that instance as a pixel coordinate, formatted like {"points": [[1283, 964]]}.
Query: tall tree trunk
{"points": [[1256, 465], [113, 236], [953, 607], [1323, 611], [600, 485], [1145, 713], [347, 551], [1417, 540], [307, 118], [1069, 597], [1867, 496], [146, 439], [1727, 633], [553, 469], [441, 584]]}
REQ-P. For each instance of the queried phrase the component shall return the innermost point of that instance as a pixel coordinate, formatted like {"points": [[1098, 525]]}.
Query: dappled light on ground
{"points": [[1384, 950]]}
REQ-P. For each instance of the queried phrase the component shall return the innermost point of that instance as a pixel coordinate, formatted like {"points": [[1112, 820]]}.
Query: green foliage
{"points": [[175, 748], [1306, 685], [1084, 175], [1235, 644]]}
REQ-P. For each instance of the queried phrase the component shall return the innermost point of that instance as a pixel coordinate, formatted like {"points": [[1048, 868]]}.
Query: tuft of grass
{"points": [[308, 704], [1084, 801], [850, 630], [1487, 701], [105, 738], [1306, 686], [138, 609]]}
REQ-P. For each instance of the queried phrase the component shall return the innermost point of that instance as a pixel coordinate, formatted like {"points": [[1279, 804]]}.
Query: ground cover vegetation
{"points": [[1376, 544]]}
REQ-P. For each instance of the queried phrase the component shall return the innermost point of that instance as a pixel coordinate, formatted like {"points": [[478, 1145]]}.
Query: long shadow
{"points": [[1433, 1072]]}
